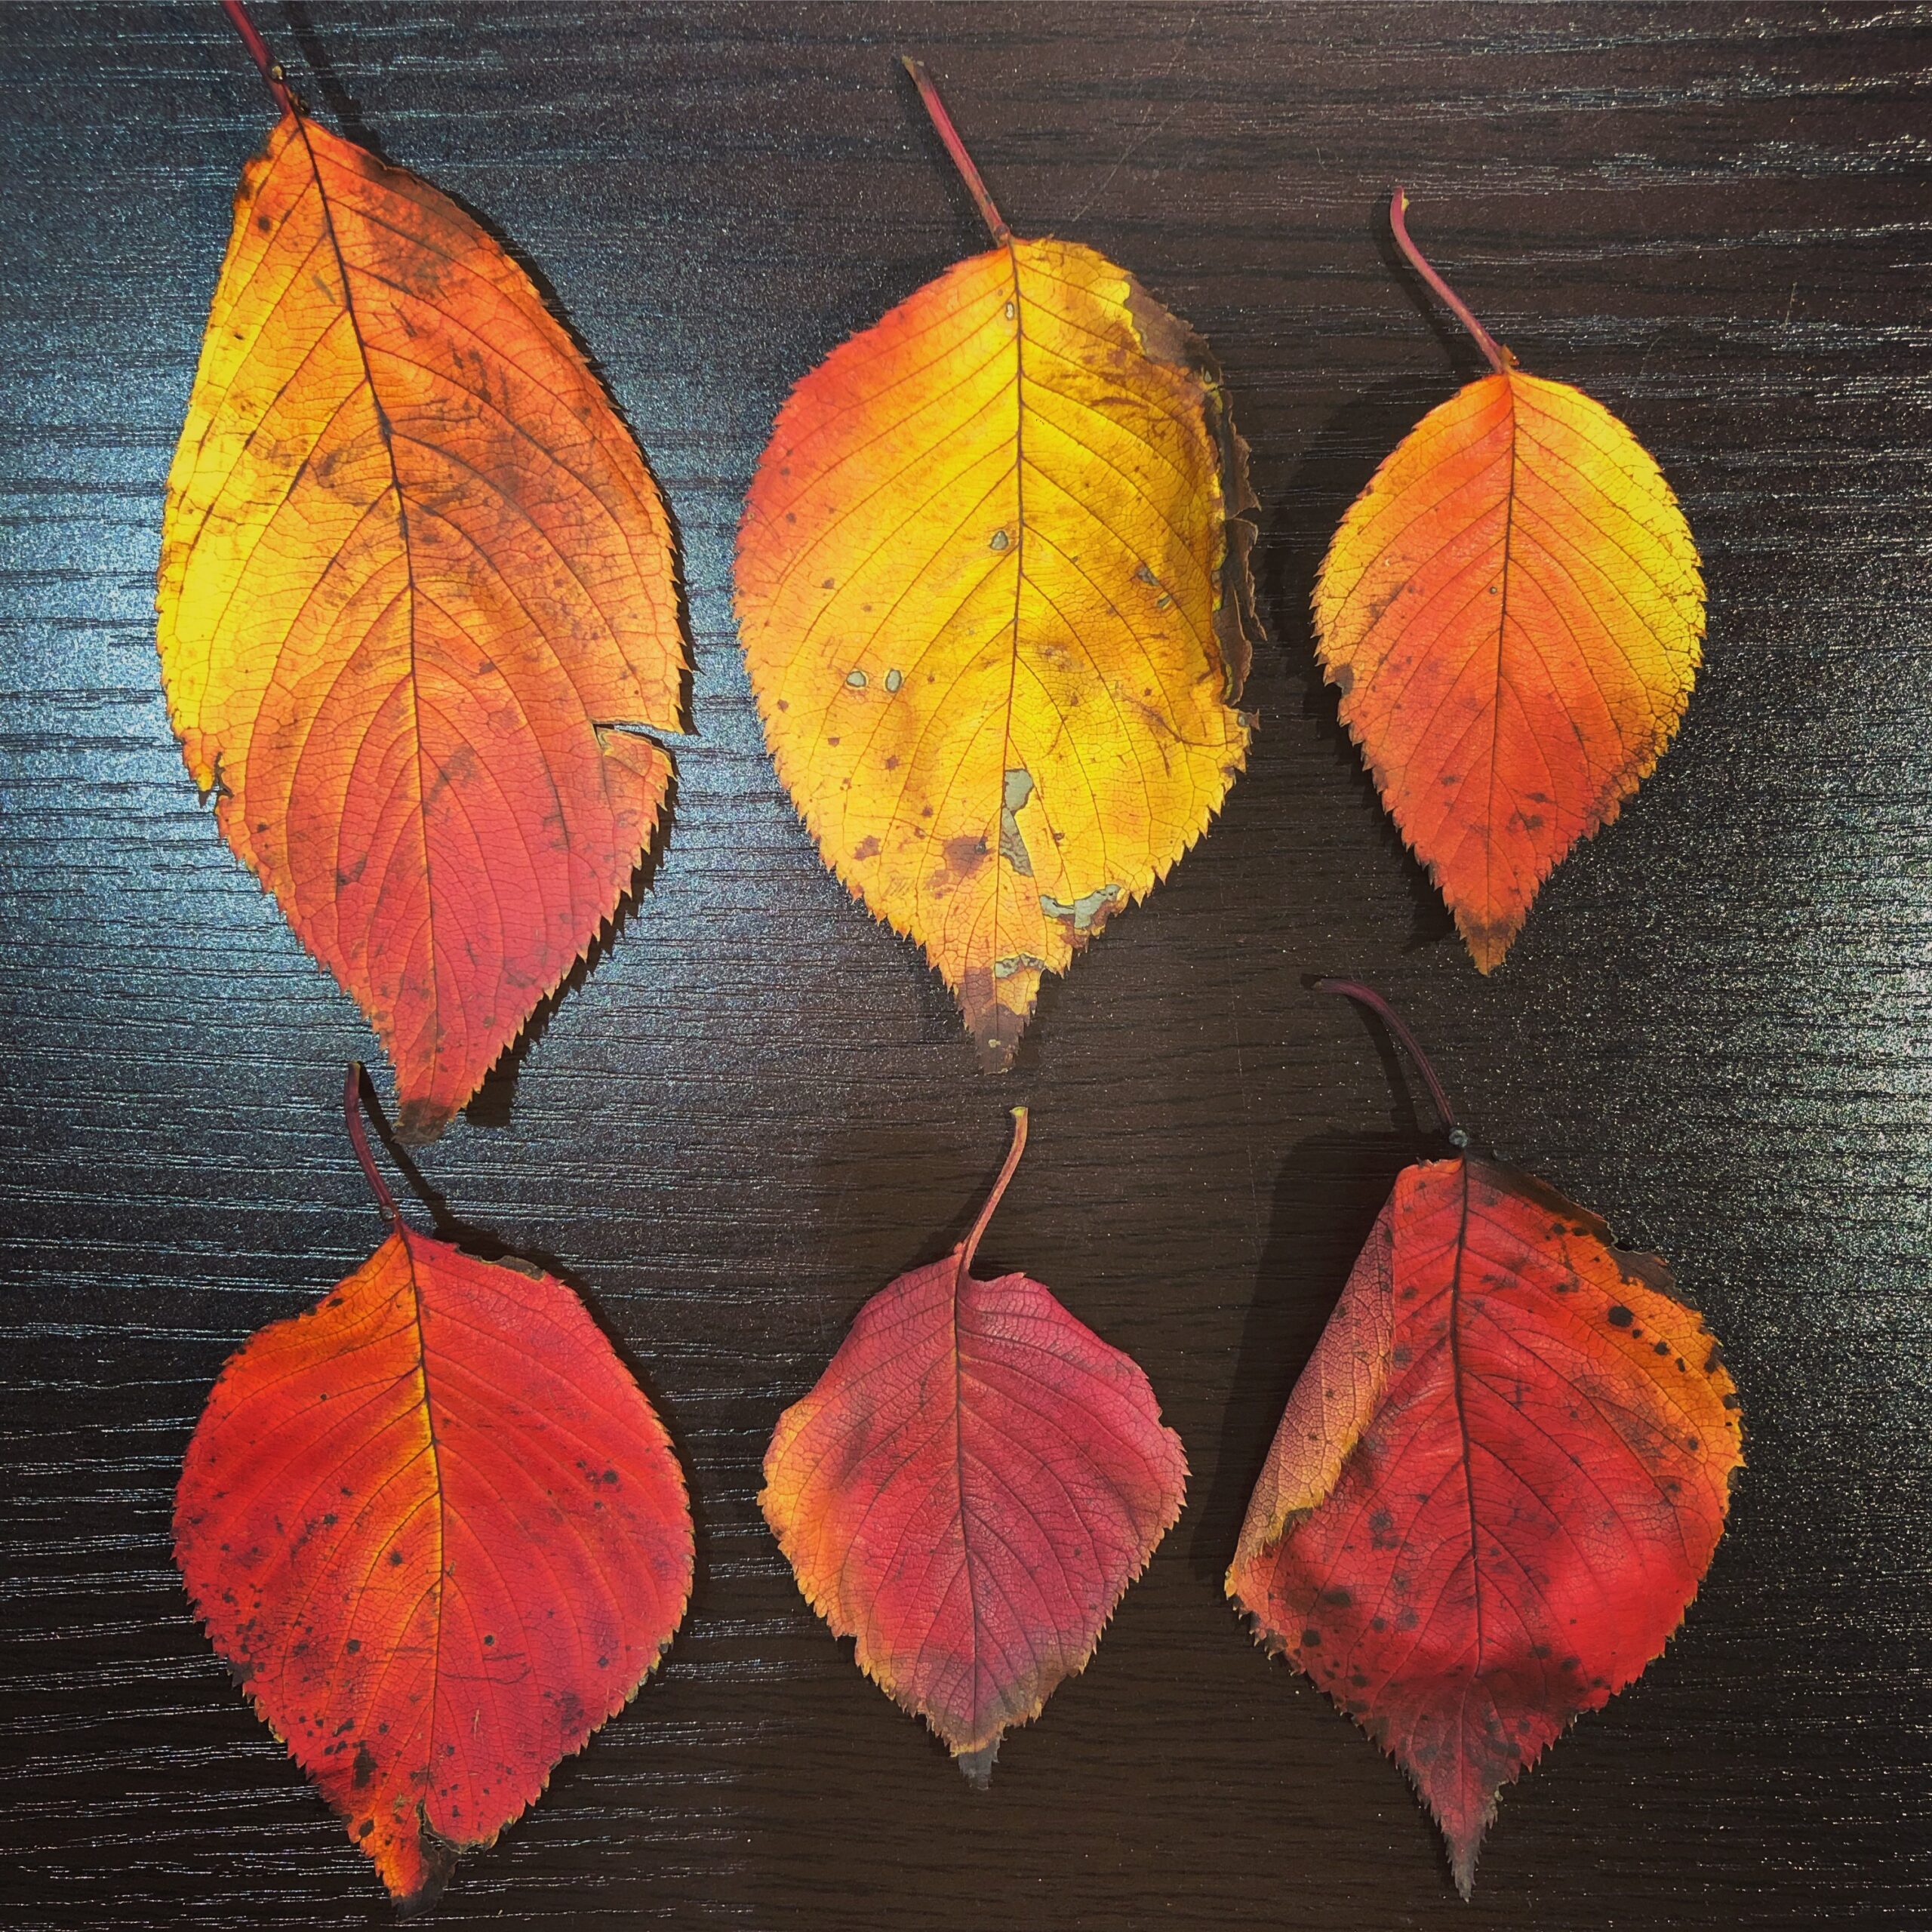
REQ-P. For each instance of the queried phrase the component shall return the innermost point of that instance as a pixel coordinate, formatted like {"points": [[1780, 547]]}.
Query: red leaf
{"points": [[969, 1490], [440, 1536], [1496, 1488]]}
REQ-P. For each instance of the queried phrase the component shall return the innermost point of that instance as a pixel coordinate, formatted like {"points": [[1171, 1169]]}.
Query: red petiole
{"points": [[942, 123], [352, 1104], [1500, 359], [1367, 996], [258, 48], [970, 1245]]}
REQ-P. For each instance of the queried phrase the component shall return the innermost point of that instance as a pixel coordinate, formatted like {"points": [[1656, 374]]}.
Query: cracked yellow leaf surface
{"points": [[992, 587]]}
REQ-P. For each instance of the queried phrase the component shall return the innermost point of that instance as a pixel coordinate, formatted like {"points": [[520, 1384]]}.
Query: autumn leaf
{"points": [[1498, 1483], [992, 584], [417, 594], [1514, 614], [969, 1490], [440, 1536]]}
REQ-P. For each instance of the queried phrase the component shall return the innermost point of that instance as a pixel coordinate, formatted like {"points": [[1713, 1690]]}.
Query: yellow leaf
{"points": [[992, 586]]}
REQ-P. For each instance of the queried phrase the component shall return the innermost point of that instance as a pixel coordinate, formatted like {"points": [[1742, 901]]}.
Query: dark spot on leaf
{"points": [[965, 854]]}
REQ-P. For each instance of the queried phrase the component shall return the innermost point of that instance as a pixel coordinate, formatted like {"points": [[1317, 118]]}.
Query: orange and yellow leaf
{"points": [[1514, 613]]}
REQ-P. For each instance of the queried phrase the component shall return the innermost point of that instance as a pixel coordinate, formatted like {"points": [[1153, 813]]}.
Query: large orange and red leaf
{"points": [[1496, 1486], [416, 587], [968, 1491], [1514, 612], [440, 1536]]}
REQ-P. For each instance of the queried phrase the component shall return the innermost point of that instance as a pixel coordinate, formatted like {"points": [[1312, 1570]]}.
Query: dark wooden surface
{"points": [[758, 1106]]}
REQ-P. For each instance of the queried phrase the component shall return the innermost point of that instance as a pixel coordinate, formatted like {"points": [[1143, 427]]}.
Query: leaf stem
{"points": [[1500, 359], [258, 48], [1367, 996], [970, 1246], [942, 123], [353, 1101]]}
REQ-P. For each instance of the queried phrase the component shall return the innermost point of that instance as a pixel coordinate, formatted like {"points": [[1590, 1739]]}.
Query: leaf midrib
{"points": [[386, 429], [1018, 586]]}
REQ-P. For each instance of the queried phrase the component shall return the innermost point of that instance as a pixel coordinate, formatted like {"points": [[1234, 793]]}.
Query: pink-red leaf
{"points": [[969, 1490]]}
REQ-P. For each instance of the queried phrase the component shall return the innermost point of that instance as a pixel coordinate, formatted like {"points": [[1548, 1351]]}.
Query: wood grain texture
{"points": [[757, 1108]]}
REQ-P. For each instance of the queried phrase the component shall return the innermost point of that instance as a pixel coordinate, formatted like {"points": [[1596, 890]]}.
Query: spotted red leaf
{"points": [[969, 1490], [1497, 1487], [440, 1536]]}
